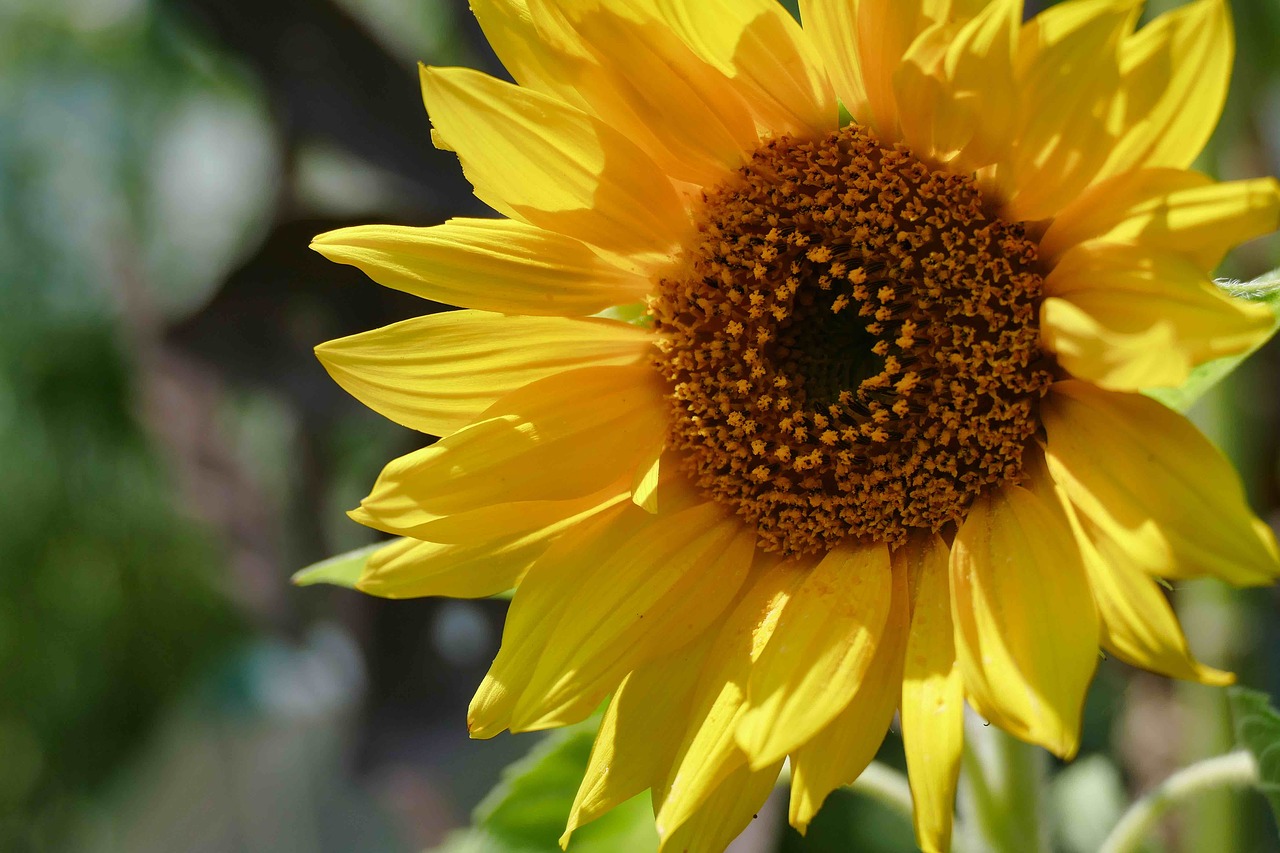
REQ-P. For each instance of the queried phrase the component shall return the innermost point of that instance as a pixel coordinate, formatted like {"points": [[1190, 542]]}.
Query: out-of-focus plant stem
{"points": [[1231, 770], [1004, 780]]}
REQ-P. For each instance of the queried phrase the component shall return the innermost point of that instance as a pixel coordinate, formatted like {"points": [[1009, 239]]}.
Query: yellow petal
{"points": [[955, 10], [644, 488], [661, 588], [1025, 625], [640, 731], [1103, 267], [765, 55], [932, 698], [1127, 318], [838, 754], [414, 569], [923, 115], [492, 264], [1176, 71], [510, 30], [955, 88], [1169, 210], [1152, 484], [537, 606], [560, 438], [707, 752], [440, 372], [818, 653], [863, 42], [1138, 625], [1068, 74], [643, 80], [535, 158], [488, 565], [728, 810], [832, 28], [487, 523]]}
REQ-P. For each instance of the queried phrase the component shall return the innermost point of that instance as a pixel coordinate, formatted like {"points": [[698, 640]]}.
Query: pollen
{"points": [[875, 322]]}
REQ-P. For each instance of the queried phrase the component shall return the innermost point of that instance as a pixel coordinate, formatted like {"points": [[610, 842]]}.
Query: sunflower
{"points": [[798, 382]]}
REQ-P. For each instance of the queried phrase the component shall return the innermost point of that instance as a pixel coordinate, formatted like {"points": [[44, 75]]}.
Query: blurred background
{"points": [[171, 451]]}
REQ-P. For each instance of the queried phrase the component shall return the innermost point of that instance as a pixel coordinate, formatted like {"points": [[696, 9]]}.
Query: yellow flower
{"points": [[875, 441]]}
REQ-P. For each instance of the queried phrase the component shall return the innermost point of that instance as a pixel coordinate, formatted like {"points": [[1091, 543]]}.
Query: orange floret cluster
{"points": [[852, 343]]}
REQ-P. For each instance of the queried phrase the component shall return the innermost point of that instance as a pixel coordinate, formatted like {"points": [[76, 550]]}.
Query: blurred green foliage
{"points": [[107, 601]]}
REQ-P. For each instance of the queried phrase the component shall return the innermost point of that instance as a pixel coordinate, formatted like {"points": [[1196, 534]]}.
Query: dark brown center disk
{"points": [[852, 344]]}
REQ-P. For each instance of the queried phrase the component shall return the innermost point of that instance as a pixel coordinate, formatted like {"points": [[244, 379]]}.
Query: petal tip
{"points": [[476, 730], [330, 246], [1065, 744], [322, 352], [1214, 677], [361, 515], [801, 824]]}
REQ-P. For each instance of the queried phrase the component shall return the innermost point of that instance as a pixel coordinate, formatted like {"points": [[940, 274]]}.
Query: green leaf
{"points": [[527, 811], [1265, 290], [1257, 727], [341, 570]]}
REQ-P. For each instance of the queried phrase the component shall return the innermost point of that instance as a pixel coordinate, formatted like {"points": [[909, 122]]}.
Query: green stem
{"points": [[983, 807], [1024, 780], [1235, 769], [1005, 781]]}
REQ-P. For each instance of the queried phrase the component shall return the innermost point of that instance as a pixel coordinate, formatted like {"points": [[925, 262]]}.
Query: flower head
{"points": [[874, 440]]}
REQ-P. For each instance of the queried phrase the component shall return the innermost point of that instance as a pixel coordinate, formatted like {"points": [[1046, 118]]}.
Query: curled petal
{"points": [[1148, 481], [1025, 624], [535, 158]]}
